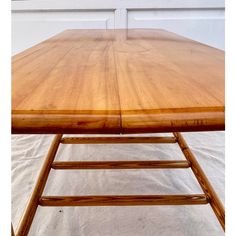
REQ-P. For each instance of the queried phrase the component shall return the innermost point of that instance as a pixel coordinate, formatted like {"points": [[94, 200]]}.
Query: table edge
{"points": [[117, 124]]}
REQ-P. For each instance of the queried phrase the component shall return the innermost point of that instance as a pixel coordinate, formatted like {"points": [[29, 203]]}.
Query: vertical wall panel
{"points": [[32, 27], [36, 20], [203, 25]]}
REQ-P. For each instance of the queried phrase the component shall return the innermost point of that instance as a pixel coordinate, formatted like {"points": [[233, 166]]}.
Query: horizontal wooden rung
{"points": [[125, 200], [115, 140], [120, 164]]}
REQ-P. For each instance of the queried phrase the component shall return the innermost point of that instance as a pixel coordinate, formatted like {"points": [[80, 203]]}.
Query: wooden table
{"points": [[118, 82]]}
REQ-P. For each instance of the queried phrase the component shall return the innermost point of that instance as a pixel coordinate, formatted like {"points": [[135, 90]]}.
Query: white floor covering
{"points": [[28, 152]]}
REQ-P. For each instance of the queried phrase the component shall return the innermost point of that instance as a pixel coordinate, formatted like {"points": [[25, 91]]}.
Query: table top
{"points": [[117, 81]]}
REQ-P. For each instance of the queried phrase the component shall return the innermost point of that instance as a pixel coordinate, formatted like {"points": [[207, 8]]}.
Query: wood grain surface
{"points": [[123, 200], [117, 81], [80, 165]]}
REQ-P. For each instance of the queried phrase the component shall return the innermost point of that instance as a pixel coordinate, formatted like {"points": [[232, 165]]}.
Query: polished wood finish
{"points": [[215, 202], [32, 205], [117, 81], [118, 140], [70, 124], [119, 164], [125, 200]]}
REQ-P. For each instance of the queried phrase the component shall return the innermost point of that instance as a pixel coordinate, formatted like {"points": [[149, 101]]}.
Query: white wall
{"points": [[37, 20]]}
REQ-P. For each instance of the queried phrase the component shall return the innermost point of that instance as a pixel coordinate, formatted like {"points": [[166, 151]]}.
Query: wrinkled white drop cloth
{"points": [[28, 152]]}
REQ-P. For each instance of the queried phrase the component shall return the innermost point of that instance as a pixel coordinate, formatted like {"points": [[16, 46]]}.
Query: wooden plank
{"points": [[161, 71], [121, 139], [119, 164], [173, 122], [214, 200], [128, 200], [67, 124], [165, 83], [71, 87]]}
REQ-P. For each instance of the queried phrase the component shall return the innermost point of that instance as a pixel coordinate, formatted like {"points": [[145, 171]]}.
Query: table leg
{"points": [[207, 188], [32, 205], [12, 231]]}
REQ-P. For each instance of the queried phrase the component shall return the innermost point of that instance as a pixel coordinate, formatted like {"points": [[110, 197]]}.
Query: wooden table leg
{"points": [[207, 188], [12, 231], [32, 205]]}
